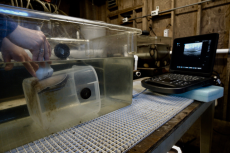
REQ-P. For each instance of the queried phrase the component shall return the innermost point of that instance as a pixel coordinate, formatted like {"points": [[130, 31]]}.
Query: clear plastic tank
{"points": [[85, 56], [68, 94]]}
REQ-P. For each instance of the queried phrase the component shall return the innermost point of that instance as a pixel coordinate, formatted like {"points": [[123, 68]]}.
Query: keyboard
{"points": [[175, 80], [171, 83]]}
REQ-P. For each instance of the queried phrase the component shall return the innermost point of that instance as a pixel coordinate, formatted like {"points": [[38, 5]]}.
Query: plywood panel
{"points": [[123, 4], [160, 24], [102, 9], [214, 20], [179, 3], [139, 21], [185, 25], [138, 2], [163, 4], [220, 66], [114, 20]]}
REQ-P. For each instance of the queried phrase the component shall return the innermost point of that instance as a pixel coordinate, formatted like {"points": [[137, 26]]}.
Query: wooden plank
{"points": [[139, 14], [204, 6], [115, 13], [114, 20], [185, 25], [227, 81], [215, 3], [198, 25], [150, 8], [138, 2], [163, 5], [145, 12], [179, 3], [172, 21], [160, 23], [216, 19], [125, 4], [134, 21]]}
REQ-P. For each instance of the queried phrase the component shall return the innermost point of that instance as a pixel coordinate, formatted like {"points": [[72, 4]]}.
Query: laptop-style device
{"points": [[191, 65]]}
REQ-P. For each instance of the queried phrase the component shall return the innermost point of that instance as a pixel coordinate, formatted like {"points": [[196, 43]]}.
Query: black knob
{"points": [[85, 93], [62, 51]]}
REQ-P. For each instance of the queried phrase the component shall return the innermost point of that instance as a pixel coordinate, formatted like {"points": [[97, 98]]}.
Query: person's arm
{"points": [[12, 51], [33, 40], [7, 26]]}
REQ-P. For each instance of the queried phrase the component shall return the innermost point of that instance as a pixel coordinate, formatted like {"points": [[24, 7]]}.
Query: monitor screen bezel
{"points": [[214, 37]]}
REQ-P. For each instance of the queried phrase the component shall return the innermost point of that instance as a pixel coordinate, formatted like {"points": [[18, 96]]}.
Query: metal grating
{"points": [[115, 132]]}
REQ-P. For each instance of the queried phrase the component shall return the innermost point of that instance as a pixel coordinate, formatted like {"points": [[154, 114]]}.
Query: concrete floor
{"points": [[190, 142]]}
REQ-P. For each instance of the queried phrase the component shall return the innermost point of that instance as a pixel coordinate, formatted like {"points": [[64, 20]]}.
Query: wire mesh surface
{"points": [[115, 132]]}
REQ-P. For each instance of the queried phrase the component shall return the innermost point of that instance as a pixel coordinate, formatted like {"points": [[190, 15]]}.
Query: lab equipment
{"points": [[64, 97], [109, 56], [191, 65]]}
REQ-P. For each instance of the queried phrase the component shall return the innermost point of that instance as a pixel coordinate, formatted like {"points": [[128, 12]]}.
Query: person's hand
{"points": [[12, 51], [33, 40]]}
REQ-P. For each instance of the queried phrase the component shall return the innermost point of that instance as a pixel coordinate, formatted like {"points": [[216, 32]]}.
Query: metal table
{"points": [[153, 123], [162, 140]]}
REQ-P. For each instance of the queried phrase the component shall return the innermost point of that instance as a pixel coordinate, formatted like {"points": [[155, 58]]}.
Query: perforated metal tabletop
{"points": [[117, 131]]}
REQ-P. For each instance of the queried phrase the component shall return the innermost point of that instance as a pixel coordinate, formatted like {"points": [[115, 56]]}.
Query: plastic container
{"points": [[103, 57], [68, 94]]}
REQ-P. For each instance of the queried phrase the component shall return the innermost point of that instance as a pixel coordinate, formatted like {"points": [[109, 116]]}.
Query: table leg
{"points": [[207, 129]]}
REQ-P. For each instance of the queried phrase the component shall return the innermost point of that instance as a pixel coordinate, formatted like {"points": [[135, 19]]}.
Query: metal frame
{"points": [[206, 112]]}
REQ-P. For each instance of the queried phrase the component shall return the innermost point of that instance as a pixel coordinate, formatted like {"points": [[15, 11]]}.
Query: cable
{"points": [[45, 8], [217, 74], [151, 29], [21, 3], [55, 8], [59, 4], [63, 13], [49, 7], [28, 3], [12, 2], [16, 2], [31, 6], [217, 80], [139, 93]]}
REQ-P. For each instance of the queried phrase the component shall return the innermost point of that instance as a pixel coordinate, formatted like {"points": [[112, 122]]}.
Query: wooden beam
{"points": [[150, 5], [198, 22], [145, 12], [115, 13], [134, 21], [226, 108], [215, 4], [173, 20]]}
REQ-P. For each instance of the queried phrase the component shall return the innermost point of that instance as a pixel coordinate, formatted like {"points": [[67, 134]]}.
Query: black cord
{"points": [[217, 74], [139, 17], [151, 29], [226, 134]]}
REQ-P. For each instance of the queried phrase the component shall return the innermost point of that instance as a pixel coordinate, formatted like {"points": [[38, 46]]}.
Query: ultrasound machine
{"points": [[191, 65]]}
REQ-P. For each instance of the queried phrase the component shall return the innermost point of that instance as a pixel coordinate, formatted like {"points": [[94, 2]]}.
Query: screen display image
{"points": [[193, 49], [194, 54]]}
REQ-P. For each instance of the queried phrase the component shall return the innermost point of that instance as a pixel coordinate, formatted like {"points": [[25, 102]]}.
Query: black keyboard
{"points": [[175, 83], [175, 80]]}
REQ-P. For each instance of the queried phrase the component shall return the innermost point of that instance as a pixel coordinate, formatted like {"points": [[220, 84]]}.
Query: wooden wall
{"points": [[206, 18]]}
